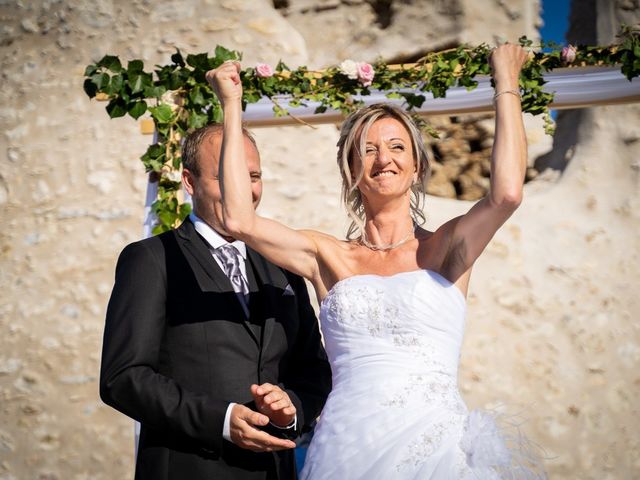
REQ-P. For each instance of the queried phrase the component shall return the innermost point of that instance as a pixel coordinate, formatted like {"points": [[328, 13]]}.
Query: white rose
{"points": [[171, 98], [350, 69], [173, 175]]}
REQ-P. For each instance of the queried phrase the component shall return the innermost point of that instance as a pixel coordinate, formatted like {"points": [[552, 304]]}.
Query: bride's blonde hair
{"points": [[353, 136]]}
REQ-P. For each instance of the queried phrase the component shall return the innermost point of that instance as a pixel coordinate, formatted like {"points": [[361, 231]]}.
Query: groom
{"points": [[213, 349]]}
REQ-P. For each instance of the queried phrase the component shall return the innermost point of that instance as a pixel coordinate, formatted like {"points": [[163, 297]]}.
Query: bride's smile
{"points": [[389, 163]]}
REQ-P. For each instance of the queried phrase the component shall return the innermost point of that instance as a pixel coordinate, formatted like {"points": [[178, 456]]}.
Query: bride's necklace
{"points": [[387, 246]]}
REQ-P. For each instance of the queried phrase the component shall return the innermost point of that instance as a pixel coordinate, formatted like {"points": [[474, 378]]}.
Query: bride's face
{"points": [[388, 165]]}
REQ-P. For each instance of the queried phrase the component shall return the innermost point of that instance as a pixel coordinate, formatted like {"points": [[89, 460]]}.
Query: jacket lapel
{"points": [[208, 273]]}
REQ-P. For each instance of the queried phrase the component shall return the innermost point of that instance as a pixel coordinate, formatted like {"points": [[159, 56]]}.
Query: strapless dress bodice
{"points": [[411, 319]]}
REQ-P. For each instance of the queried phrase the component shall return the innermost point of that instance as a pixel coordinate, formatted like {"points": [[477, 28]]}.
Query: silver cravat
{"points": [[230, 258]]}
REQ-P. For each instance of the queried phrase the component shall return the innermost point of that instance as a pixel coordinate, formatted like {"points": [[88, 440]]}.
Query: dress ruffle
{"points": [[496, 449]]}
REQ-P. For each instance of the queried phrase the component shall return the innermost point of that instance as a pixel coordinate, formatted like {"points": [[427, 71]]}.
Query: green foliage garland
{"points": [[179, 99]]}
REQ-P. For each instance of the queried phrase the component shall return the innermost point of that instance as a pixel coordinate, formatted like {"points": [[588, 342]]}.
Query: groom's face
{"points": [[205, 188]]}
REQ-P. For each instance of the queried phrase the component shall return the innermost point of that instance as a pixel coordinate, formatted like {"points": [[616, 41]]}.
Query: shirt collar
{"points": [[213, 238]]}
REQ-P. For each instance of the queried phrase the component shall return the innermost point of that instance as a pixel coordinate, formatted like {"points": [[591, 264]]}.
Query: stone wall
{"points": [[552, 322]]}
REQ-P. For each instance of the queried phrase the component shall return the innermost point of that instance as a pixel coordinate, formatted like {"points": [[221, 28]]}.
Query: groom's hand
{"points": [[245, 433], [274, 403], [225, 81]]}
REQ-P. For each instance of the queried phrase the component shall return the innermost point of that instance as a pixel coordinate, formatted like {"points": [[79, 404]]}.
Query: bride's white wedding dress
{"points": [[395, 411]]}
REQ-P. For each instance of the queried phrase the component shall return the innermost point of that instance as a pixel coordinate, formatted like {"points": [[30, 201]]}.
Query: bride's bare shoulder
{"points": [[326, 241]]}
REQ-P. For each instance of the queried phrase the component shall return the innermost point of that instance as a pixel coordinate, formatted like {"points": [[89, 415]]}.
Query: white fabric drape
{"points": [[573, 87]]}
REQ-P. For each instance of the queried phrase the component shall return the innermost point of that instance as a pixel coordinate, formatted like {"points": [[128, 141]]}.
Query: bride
{"points": [[393, 294]]}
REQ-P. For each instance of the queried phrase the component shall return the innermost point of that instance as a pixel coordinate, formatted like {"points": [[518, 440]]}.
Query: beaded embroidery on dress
{"points": [[395, 411]]}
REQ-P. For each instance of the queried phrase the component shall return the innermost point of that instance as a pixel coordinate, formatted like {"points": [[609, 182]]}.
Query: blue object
{"points": [[301, 453]]}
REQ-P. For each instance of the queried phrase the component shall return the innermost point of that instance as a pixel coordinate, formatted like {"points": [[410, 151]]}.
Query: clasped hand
{"points": [[276, 407]]}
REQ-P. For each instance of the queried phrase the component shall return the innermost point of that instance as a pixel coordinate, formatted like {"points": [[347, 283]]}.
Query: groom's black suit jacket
{"points": [[178, 348]]}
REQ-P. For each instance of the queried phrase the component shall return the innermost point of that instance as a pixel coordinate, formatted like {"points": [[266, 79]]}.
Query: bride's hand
{"points": [[275, 403], [225, 82], [506, 61]]}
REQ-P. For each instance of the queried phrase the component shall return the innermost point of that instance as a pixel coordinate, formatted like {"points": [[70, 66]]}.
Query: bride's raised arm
{"points": [[294, 250], [471, 233]]}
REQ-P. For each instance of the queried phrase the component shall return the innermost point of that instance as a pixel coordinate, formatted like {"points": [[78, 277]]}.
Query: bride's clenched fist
{"points": [[506, 61]]}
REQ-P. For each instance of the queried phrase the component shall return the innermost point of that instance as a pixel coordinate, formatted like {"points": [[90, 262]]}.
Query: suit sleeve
{"points": [[134, 329], [308, 376]]}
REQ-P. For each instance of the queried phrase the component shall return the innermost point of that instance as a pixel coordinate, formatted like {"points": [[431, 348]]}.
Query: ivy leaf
{"points": [[177, 58], [115, 85], [172, 79], [413, 100], [281, 66], [154, 158], [524, 41], [197, 120], [184, 211], [153, 91], [101, 80], [135, 66], [223, 54], [160, 228], [156, 150], [179, 79], [136, 109], [116, 108], [196, 96], [199, 61], [278, 111], [161, 113], [217, 114], [175, 163], [139, 81], [167, 217], [90, 70], [90, 88], [467, 82], [162, 129], [124, 94], [110, 62], [251, 96]]}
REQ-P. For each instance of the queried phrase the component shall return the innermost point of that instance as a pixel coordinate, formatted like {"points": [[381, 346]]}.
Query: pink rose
{"points": [[263, 70], [568, 54], [365, 73]]}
